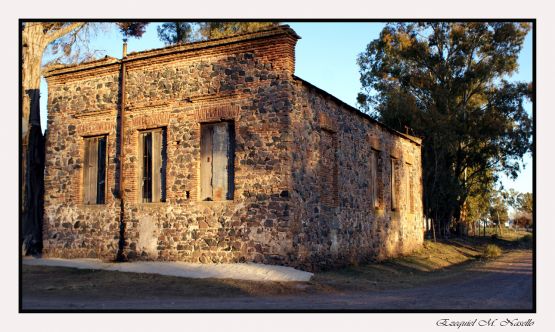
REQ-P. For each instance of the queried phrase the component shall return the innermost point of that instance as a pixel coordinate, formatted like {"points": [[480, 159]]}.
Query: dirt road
{"points": [[504, 284]]}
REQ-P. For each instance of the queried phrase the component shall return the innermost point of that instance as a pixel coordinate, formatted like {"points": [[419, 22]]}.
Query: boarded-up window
{"points": [[393, 184], [379, 171], [328, 168], [411, 189], [94, 170], [374, 179], [152, 164], [217, 156], [406, 187]]}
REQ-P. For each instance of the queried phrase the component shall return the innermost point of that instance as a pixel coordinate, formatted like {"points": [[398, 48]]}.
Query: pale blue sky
{"points": [[325, 56]]}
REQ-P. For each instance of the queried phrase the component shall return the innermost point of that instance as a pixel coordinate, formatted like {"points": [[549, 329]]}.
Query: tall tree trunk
{"points": [[35, 38], [32, 140]]}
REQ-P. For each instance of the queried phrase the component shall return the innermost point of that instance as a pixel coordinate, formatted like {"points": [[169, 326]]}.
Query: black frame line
{"points": [[308, 20]]}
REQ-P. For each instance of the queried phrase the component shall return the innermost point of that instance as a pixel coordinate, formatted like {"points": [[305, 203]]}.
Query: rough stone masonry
{"points": [[227, 157]]}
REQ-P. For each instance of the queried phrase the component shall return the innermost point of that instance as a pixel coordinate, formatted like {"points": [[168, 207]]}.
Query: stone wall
{"points": [[302, 192], [75, 111], [355, 228], [247, 82]]}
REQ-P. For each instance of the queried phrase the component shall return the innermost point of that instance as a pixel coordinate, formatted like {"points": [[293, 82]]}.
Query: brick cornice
{"points": [[96, 67], [58, 73], [284, 30]]}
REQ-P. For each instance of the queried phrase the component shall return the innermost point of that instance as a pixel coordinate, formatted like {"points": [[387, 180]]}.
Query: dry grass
{"points": [[438, 255], [491, 251], [504, 234], [433, 262]]}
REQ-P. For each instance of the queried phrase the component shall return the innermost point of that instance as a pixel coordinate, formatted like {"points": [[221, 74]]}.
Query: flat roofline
{"points": [[352, 109], [55, 70]]}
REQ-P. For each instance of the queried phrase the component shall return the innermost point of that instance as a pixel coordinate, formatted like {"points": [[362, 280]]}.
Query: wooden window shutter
{"points": [[374, 179], [220, 147], [379, 179], [393, 185], [140, 165], [328, 168], [164, 163], [411, 190], [206, 163], [230, 161], [90, 170], [86, 171], [93, 172], [101, 171], [217, 155], [157, 141], [146, 167], [407, 187]]}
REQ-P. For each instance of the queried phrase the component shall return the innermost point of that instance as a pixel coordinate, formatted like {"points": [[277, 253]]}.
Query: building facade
{"points": [[226, 156]]}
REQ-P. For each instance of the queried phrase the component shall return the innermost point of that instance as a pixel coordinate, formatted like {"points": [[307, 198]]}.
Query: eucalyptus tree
{"points": [[448, 82]]}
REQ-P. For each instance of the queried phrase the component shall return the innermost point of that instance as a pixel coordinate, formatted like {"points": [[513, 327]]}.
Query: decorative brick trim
{"points": [[327, 123], [216, 113], [395, 152], [84, 115], [96, 128], [139, 106], [72, 74], [150, 121], [375, 142]]}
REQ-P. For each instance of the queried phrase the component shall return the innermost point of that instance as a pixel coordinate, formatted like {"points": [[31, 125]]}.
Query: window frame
{"points": [[329, 192], [394, 190], [206, 179], [101, 195], [407, 185], [374, 190], [162, 177]]}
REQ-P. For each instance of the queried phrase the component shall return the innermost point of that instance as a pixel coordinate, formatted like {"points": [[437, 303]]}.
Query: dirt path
{"points": [[504, 284]]}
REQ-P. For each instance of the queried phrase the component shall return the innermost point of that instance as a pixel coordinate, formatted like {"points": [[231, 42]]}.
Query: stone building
{"points": [[226, 156]]}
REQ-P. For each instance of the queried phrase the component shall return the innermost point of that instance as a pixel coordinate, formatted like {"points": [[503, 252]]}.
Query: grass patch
{"points": [[438, 255], [491, 251], [506, 234], [433, 262]]}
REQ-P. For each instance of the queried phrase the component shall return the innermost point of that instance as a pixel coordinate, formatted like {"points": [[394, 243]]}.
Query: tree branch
{"points": [[55, 34]]}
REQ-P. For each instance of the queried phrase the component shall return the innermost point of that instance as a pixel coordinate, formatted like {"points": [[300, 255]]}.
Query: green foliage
{"points": [[523, 206], [478, 203], [132, 29], [499, 213], [212, 30], [447, 82], [525, 202], [172, 33]]}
